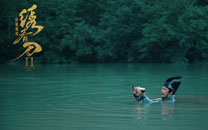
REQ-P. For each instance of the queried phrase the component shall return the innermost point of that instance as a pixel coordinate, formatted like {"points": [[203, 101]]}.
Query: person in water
{"points": [[168, 91]]}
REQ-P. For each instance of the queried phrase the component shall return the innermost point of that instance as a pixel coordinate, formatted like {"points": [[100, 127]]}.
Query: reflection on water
{"points": [[90, 97], [167, 110]]}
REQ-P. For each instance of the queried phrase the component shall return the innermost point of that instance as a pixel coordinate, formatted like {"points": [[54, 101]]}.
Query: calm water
{"points": [[99, 97]]}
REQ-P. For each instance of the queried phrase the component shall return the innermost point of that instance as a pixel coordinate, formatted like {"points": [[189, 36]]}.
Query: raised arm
{"points": [[139, 94]]}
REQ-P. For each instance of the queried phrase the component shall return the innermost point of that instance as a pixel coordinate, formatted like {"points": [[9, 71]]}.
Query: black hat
{"points": [[173, 83]]}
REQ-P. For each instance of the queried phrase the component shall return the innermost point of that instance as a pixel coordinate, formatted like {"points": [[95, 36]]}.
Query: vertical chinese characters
{"points": [[27, 24]]}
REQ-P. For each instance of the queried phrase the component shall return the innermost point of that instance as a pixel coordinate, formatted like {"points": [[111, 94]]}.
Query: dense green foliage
{"points": [[98, 31]]}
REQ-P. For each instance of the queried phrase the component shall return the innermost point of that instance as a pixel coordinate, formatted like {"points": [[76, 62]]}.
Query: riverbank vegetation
{"points": [[103, 31]]}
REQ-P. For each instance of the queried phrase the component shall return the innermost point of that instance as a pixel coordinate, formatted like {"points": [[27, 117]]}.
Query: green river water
{"points": [[99, 97]]}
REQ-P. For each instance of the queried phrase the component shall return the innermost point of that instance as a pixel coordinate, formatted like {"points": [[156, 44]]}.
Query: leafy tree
{"points": [[101, 31]]}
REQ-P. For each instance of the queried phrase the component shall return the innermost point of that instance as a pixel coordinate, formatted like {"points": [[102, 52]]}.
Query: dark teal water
{"points": [[92, 97]]}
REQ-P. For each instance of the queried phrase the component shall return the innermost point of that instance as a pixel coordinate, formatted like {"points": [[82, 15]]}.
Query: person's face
{"points": [[164, 92]]}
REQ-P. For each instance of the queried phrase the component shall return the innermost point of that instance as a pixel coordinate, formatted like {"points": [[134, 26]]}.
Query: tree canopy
{"points": [[102, 31]]}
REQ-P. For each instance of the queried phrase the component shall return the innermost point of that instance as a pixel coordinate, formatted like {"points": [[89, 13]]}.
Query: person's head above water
{"points": [[165, 92], [170, 86]]}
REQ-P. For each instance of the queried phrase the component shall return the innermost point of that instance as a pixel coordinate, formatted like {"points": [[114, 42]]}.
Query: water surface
{"points": [[92, 97]]}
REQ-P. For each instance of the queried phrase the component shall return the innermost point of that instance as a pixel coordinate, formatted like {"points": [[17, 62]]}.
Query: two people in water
{"points": [[168, 91]]}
